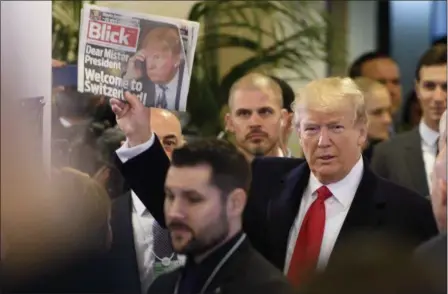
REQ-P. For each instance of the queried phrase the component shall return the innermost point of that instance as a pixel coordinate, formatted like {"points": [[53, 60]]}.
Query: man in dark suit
{"points": [[138, 238], [205, 197], [300, 212], [408, 159], [160, 67], [206, 190]]}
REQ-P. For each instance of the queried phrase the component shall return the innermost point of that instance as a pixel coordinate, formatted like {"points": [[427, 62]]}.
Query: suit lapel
{"points": [[366, 210], [283, 211], [414, 161], [123, 246]]}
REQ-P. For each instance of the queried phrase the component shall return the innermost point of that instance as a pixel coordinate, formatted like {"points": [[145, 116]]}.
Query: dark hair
{"points": [[230, 169], [406, 113], [355, 70], [441, 40], [287, 93], [436, 55]]}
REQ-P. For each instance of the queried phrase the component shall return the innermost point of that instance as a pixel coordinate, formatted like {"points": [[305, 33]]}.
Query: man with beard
{"points": [[256, 116], [408, 158], [205, 194]]}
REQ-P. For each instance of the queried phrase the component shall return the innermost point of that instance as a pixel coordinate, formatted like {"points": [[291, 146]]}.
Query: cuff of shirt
{"points": [[126, 153]]}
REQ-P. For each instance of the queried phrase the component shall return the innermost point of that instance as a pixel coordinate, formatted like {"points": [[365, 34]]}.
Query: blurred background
{"points": [[295, 40]]}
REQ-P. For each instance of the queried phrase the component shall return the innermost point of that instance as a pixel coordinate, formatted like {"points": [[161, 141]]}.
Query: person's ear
{"points": [[236, 202], [229, 123]]}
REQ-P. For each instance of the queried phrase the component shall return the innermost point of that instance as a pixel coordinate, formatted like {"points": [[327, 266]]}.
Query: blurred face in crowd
{"points": [[431, 92], [385, 71], [255, 118], [378, 108], [195, 210], [330, 136], [162, 62], [168, 129]]}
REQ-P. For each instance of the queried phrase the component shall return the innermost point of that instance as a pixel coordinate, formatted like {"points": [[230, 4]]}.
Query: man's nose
{"points": [[439, 94], [324, 138], [175, 210], [387, 118], [255, 120]]}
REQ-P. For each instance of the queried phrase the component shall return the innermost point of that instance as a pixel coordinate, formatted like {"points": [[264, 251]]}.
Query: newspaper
{"points": [[148, 55]]}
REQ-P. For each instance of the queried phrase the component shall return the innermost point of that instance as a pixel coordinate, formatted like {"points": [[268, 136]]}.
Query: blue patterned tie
{"points": [[161, 99]]}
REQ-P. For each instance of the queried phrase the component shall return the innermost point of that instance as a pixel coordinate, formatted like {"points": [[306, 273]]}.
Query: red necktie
{"points": [[309, 241]]}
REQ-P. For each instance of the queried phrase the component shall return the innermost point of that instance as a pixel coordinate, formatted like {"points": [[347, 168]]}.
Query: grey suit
{"points": [[400, 160]]}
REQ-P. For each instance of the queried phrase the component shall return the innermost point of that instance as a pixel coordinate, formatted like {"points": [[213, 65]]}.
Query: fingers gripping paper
{"points": [[147, 55]]}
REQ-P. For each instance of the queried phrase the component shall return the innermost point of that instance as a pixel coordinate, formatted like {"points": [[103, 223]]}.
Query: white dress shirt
{"points": [[142, 222], [336, 209], [429, 149], [170, 92]]}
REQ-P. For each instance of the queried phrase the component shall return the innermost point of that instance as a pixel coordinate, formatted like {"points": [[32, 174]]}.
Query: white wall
{"points": [[164, 8], [362, 28], [26, 55], [410, 36]]}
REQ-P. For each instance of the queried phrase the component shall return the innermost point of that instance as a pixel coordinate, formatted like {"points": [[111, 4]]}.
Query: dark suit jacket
{"points": [[275, 196], [245, 272], [150, 88], [400, 160], [123, 257]]}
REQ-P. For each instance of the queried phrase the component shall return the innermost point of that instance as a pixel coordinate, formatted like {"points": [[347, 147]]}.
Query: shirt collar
{"points": [[344, 190], [139, 207], [429, 136]]}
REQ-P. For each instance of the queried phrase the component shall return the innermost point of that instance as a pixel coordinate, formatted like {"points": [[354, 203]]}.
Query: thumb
{"points": [[133, 100]]}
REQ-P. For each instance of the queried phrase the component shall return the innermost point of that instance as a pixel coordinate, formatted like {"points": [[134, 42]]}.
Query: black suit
{"points": [[123, 256], [400, 160], [275, 196], [246, 271]]}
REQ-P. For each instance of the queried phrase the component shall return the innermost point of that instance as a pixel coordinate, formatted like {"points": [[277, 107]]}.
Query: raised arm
{"points": [[141, 159]]}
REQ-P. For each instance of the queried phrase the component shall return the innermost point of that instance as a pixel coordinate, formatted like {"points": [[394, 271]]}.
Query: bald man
{"points": [[141, 249], [167, 128]]}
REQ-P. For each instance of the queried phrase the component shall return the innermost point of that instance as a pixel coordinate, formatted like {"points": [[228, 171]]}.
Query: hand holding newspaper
{"points": [[147, 55]]}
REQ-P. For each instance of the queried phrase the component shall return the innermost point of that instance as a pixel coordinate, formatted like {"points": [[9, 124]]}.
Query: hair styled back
{"points": [[330, 94]]}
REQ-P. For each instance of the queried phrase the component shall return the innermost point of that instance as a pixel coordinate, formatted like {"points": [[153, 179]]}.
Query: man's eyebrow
{"points": [[171, 136]]}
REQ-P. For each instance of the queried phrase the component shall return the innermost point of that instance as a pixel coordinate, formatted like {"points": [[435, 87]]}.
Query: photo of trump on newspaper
{"points": [[146, 55]]}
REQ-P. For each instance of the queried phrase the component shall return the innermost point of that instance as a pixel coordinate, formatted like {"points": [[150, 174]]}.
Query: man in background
{"points": [[140, 244], [286, 125], [408, 159], [382, 68], [256, 116]]}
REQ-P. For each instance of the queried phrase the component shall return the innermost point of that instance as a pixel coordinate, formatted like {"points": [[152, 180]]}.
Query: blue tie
{"points": [[161, 99]]}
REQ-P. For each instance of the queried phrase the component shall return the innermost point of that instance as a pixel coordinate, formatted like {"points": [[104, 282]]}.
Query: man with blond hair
{"points": [[301, 212], [256, 115], [378, 109]]}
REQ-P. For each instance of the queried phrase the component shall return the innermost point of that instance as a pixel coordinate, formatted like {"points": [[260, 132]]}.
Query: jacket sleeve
{"points": [[145, 173]]}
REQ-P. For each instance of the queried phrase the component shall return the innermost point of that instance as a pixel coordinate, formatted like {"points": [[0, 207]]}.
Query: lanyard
{"points": [[217, 268]]}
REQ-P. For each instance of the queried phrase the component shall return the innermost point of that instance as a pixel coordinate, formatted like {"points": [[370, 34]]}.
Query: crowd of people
{"points": [[133, 207]]}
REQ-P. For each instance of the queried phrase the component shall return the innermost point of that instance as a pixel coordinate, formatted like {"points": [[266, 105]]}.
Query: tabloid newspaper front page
{"points": [[148, 55]]}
